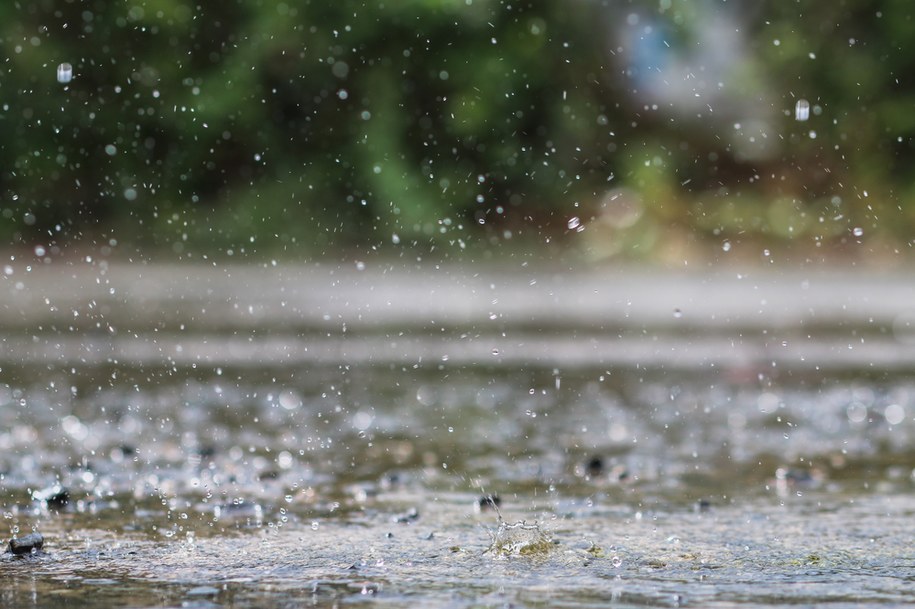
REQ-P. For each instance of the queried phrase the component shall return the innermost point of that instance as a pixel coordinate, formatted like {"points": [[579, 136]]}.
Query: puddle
{"points": [[203, 467]]}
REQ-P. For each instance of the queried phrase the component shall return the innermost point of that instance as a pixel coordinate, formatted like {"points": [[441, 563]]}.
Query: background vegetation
{"points": [[640, 128]]}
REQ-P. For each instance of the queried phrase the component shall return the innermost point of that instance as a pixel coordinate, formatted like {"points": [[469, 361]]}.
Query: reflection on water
{"points": [[170, 457]]}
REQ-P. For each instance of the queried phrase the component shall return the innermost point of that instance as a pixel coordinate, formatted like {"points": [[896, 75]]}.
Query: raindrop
{"points": [[894, 414], [64, 73], [856, 412], [678, 313], [574, 222], [858, 231], [802, 110], [726, 246], [111, 150], [289, 400]]}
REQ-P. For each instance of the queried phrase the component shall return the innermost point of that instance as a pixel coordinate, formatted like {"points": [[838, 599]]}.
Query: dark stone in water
{"points": [[408, 516], [487, 502], [594, 467], [27, 544]]}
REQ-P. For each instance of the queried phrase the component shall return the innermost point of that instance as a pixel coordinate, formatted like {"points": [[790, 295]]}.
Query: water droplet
{"points": [[802, 110], [678, 313], [726, 246], [314, 525], [64, 73], [857, 231], [574, 222], [360, 266], [395, 239], [111, 150], [495, 351]]}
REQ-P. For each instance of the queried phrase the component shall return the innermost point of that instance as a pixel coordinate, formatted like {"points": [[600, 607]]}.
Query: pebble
{"points": [[27, 544], [408, 516], [487, 502], [594, 467]]}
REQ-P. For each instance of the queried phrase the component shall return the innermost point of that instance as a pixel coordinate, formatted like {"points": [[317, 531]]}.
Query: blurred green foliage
{"points": [[257, 125]]}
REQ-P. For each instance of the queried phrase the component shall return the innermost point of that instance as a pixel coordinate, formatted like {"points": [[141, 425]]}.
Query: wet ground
{"points": [[271, 436]]}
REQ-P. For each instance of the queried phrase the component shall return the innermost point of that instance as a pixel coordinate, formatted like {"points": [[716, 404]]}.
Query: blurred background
{"points": [[645, 129]]}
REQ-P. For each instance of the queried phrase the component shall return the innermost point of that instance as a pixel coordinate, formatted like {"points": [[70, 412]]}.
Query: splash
{"points": [[520, 539]]}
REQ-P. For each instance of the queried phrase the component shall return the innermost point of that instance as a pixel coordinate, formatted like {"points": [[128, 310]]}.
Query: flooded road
{"points": [[324, 435]]}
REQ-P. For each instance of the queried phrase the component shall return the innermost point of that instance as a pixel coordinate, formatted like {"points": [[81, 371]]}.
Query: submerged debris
{"points": [[28, 544]]}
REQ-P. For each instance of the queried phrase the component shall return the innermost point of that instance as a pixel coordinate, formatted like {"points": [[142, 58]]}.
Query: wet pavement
{"points": [[323, 435]]}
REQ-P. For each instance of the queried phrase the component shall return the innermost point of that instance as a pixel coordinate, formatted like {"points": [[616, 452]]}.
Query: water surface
{"points": [[240, 436]]}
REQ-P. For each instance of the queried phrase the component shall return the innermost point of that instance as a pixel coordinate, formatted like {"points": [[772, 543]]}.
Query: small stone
{"points": [[594, 467], [28, 544], [487, 502], [406, 517]]}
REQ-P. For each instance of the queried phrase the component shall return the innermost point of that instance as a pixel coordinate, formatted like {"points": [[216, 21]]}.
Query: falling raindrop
{"points": [[857, 231], [574, 222], [64, 73], [802, 110]]}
